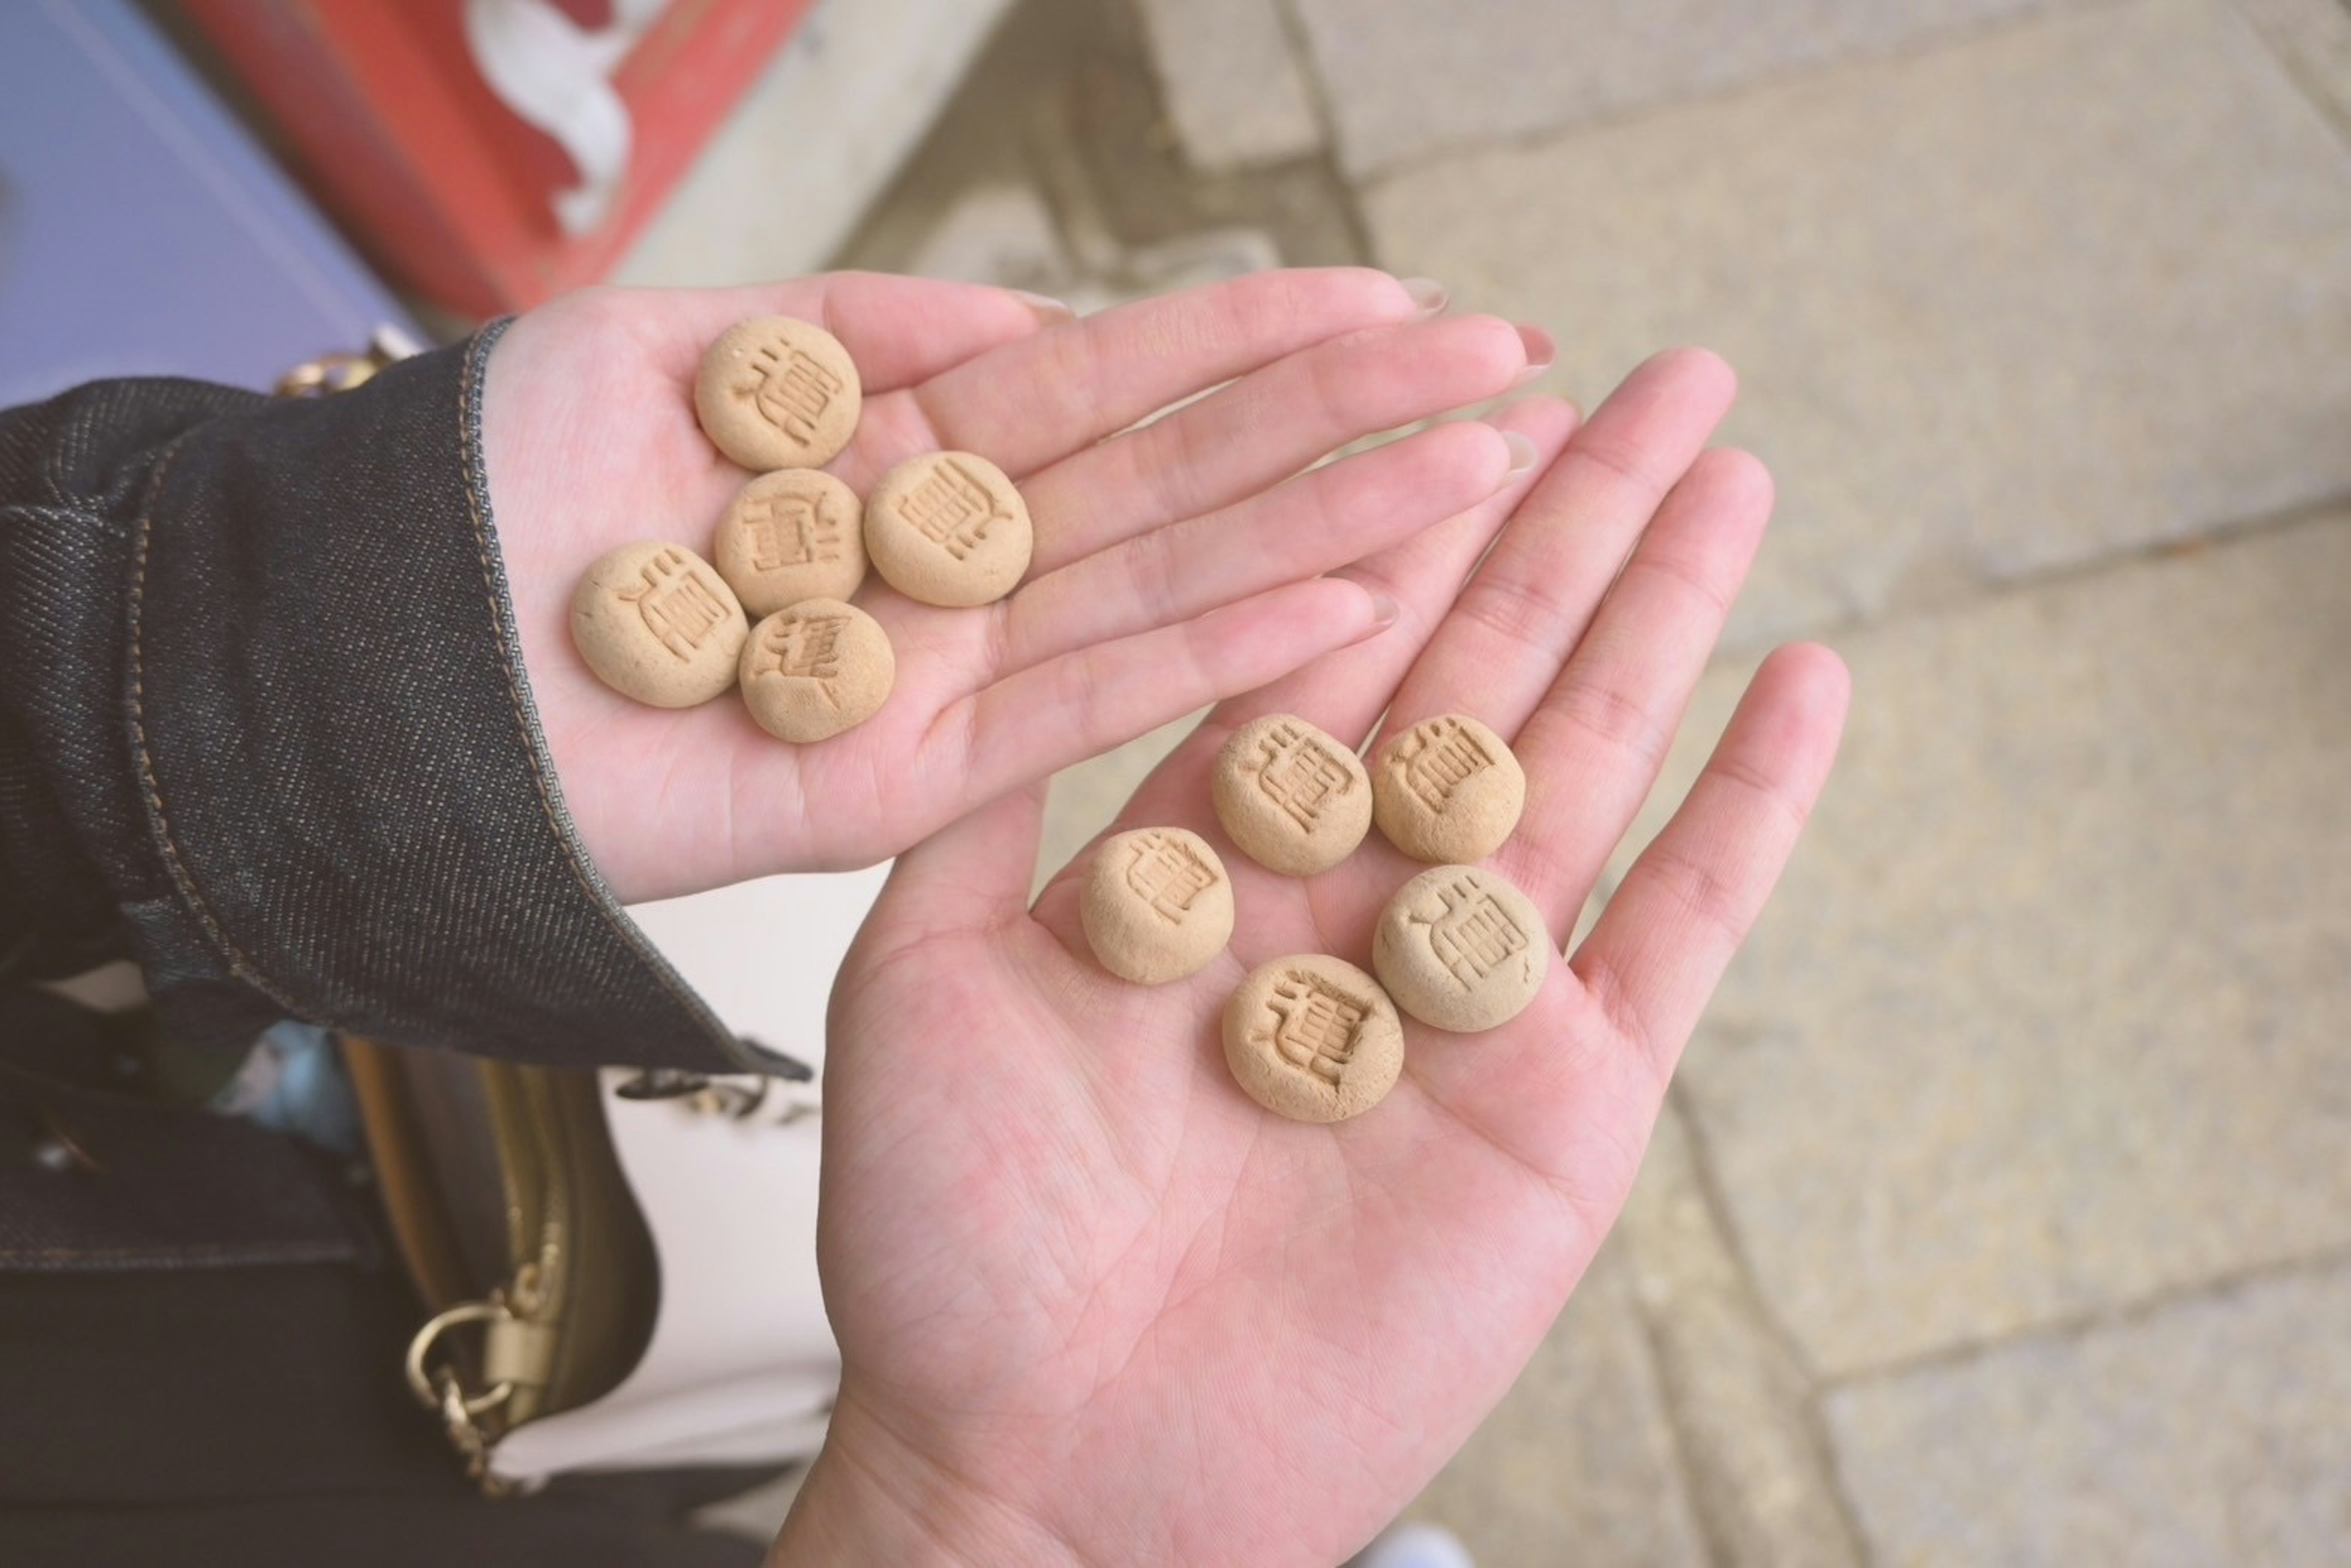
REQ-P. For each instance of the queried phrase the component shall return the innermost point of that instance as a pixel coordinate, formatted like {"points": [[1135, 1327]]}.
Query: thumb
{"points": [[974, 872]]}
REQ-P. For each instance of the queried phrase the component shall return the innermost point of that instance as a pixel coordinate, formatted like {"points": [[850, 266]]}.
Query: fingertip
{"points": [[1698, 367], [1500, 349], [1329, 611], [1548, 421], [1657, 421], [1535, 431], [1047, 310], [902, 330], [1396, 488], [1344, 298], [1523, 453], [1319, 616], [1429, 296], [1486, 455], [1542, 350], [1743, 476], [1814, 663], [1812, 685], [1356, 610]]}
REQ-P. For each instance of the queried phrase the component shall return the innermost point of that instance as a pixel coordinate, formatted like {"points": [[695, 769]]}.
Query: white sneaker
{"points": [[1416, 1546]]}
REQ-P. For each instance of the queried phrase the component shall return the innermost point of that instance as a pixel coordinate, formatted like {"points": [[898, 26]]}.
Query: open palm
{"points": [[1176, 563], [1094, 1304]]}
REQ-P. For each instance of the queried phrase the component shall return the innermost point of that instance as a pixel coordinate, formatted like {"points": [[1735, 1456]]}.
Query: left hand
{"points": [[1175, 564], [1097, 1306]]}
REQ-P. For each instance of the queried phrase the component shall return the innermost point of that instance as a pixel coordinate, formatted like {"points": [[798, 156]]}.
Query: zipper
{"points": [[519, 1319]]}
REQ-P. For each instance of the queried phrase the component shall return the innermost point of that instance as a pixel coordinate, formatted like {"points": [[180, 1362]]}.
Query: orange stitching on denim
{"points": [[476, 480], [180, 878]]}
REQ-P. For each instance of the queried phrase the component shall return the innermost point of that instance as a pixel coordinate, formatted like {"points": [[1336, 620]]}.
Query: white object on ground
{"points": [[1416, 1546]]}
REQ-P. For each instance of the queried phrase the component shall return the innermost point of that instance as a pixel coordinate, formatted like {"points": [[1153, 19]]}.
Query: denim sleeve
{"points": [[264, 727]]}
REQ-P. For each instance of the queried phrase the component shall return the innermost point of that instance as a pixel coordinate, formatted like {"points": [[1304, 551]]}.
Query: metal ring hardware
{"points": [[420, 1383]]}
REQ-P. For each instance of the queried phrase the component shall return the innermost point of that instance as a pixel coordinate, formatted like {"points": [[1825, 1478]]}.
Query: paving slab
{"points": [[1063, 101], [1002, 233], [1404, 79], [1232, 88], [2073, 287], [2052, 1013], [2314, 38], [1577, 1463], [2209, 1432], [1743, 1412]]}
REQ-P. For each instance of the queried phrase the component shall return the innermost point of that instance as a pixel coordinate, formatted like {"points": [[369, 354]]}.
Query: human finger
{"points": [[1500, 647], [1039, 399], [1320, 520], [1270, 425], [898, 330], [1344, 692], [1066, 709], [975, 870], [1592, 748], [1661, 945]]}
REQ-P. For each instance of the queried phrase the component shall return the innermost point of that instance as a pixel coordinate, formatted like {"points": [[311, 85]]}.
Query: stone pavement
{"points": [[2003, 1214]]}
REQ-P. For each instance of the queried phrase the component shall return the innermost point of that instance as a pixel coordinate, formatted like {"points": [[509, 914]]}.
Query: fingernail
{"points": [[1385, 610], [1426, 293], [1543, 352], [1522, 454], [1049, 310]]}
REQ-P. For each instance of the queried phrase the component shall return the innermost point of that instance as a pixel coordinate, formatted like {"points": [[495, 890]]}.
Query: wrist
{"points": [[871, 1498]]}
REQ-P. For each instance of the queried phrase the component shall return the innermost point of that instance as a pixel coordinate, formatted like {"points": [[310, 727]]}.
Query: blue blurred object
{"points": [[141, 230], [293, 1082]]}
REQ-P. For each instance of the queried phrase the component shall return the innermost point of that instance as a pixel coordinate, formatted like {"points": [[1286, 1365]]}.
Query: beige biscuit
{"points": [[777, 393], [815, 669], [788, 536], [1292, 796], [1313, 1039], [1157, 905], [948, 527], [1460, 948], [1446, 790], [657, 622]]}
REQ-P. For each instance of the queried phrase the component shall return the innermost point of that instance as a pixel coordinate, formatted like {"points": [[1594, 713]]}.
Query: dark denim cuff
{"points": [[307, 763]]}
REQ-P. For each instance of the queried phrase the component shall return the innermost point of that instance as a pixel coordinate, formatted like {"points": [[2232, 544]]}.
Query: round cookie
{"points": [[1446, 790], [1157, 906], [1459, 949], [775, 392], [816, 669], [1313, 1039], [788, 536], [657, 622], [947, 528], [1293, 797]]}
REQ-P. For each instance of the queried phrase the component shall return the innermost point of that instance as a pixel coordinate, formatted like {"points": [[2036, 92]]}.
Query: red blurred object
{"points": [[394, 130]]}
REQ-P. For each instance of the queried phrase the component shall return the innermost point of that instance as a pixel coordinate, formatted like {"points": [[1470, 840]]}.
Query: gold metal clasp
{"points": [[331, 373], [427, 1386], [518, 1352], [327, 375]]}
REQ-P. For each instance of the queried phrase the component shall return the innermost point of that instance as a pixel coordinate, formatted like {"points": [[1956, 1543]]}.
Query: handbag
{"points": [[618, 1266], [507, 1207]]}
